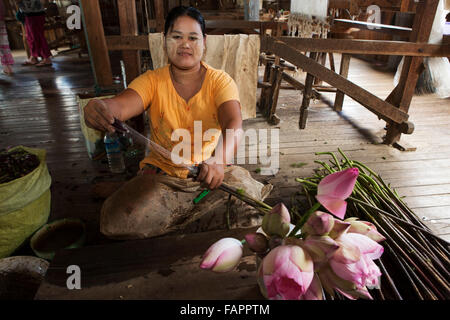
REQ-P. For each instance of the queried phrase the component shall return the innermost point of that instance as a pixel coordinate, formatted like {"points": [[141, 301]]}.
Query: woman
{"points": [[182, 95], [7, 59], [34, 27]]}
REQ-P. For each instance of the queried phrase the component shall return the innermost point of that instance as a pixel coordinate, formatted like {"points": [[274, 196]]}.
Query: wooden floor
{"points": [[38, 108]]}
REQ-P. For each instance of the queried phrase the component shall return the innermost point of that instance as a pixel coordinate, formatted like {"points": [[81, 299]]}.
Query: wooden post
{"points": [[95, 37], [131, 58], [263, 97], [129, 27], [331, 57], [172, 3], [159, 13], [345, 64], [306, 96], [271, 117], [405, 6], [402, 95]]}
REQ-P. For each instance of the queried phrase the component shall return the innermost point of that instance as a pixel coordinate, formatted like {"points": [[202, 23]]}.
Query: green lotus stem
{"points": [[334, 157], [227, 215], [389, 279], [326, 166], [394, 217], [306, 182], [431, 271], [411, 272], [399, 262], [344, 156], [304, 218], [427, 251]]}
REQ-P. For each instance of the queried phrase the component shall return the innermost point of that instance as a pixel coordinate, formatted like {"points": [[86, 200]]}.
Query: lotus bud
{"points": [[339, 228], [257, 242], [364, 228], [277, 221], [318, 224], [223, 255], [320, 248]]}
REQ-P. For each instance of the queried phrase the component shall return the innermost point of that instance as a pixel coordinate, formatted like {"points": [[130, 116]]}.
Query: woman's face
{"points": [[185, 43]]}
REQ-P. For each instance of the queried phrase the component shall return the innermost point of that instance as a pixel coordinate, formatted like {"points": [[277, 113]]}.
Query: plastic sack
{"points": [[93, 138], [24, 205]]}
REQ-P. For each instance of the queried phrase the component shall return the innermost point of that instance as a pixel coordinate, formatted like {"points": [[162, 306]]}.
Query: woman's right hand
{"points": [[98, 115]]}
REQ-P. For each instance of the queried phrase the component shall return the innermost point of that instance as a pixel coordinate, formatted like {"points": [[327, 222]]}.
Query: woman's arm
{"points": [[100, 113], [212, 170]]}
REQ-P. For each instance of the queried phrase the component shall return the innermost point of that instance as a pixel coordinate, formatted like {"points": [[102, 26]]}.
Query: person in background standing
{"points": [[34, 26], [7, 59]]}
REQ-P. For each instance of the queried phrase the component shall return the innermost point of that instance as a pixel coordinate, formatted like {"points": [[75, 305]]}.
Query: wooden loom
{"points": [[394, 109]]}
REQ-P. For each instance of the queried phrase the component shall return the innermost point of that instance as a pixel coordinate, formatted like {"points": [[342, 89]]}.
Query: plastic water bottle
{"points": [[114, 153]]}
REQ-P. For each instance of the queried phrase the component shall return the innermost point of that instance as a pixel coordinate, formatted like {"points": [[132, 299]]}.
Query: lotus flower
{"points": [[318, 224], [277, 221], [223, 255], [335, 188], [330, 282], [320, 248], [315, 291], [257, 242], [353, 261], [364, 228], [286, 273]]}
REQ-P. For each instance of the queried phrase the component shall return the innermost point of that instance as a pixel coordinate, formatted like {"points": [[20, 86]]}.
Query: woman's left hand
{"points": [[211, 174]]}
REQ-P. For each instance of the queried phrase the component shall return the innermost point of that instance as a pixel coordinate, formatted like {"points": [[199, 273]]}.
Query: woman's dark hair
{"points": [[181, 11]]}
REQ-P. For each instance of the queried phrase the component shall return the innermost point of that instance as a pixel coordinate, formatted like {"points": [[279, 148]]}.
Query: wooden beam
{"points": [[129, 27], [243, 24], [127, 42], [376, 47], [95, 36], [349, 46], [364, 97], [307, 94], [345, 65]]}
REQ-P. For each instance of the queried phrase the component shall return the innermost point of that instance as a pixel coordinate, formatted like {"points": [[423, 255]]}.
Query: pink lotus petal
{"points": [[366, 245], [315, 291], [336, 206], [339, 184], [287, 272]]}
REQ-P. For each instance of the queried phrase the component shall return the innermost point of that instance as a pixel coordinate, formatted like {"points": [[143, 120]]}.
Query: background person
{"points": [[6, 57], [34, 13]]}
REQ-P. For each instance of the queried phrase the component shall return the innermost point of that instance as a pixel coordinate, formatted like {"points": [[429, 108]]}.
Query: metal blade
{"points": [[126, 130]]}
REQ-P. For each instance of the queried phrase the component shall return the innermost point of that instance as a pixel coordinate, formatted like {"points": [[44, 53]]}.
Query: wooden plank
{"points": [[375, 47], [370, 101], [345, 65], [152, 273], [129, 27], [95, 35], [159, 13], [127, 42], [375, 27], [307, 95]]}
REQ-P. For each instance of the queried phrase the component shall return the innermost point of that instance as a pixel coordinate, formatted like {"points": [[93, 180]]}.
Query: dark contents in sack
{"points": [[15, 164]]}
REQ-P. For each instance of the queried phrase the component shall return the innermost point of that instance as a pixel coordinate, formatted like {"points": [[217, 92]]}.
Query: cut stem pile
{"points": [[415, 262]]}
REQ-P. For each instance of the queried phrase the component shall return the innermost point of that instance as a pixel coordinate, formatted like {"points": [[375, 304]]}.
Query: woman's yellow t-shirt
{"points": [[168, 111]]}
